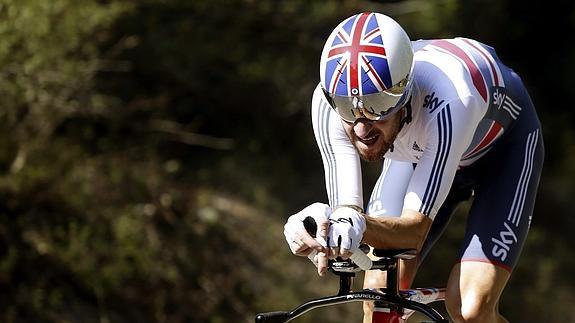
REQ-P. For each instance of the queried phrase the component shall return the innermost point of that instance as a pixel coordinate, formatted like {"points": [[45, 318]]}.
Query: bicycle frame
{"points": [[390, 297]]}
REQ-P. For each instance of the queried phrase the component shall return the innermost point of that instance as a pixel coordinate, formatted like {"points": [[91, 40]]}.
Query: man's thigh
{"points": [[500, 216]]}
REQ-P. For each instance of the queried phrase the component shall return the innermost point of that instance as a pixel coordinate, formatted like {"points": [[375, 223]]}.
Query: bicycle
{"points": [[391, 301]]}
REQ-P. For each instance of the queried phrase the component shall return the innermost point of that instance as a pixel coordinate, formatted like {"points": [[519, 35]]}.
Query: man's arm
{"points": [[407, 231], [341, 163]]}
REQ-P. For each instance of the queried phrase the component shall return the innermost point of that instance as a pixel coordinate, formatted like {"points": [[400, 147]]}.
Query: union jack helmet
{"points": [[366, 67]]}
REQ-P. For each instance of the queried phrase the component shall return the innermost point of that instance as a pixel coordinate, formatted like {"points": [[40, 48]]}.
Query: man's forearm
{"points": [[407, 231]]}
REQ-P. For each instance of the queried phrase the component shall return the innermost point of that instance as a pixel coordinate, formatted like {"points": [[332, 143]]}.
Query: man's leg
{"points": [[473, 292], [497, 225]]}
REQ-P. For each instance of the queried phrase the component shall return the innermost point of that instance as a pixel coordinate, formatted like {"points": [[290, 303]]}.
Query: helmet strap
{"points": [[407, 114]]}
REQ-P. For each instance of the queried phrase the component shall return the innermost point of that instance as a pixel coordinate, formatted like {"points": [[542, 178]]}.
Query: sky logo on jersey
{"points": [[502, 101], [502, 244], [432, 102], [356, 55]]}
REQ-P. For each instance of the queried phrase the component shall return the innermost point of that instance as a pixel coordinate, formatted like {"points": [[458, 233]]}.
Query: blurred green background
{"points": [[150, 152]]}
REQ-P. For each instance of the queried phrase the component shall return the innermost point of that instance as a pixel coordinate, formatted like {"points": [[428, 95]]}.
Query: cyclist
{"points": [[450, 121]]}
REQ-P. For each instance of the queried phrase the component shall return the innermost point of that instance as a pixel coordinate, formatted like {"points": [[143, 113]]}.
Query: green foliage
{"points": [[150, 152]]}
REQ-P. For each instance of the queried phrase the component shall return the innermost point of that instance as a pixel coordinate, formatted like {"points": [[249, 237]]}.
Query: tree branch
{"points": [[179, 133]]}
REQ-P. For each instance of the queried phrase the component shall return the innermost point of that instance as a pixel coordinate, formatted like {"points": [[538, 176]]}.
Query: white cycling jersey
{"points": [[459, 109]]}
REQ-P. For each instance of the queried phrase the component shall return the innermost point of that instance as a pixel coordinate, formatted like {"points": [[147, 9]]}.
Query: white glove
{"points": [[299, 240], [345, 231]]}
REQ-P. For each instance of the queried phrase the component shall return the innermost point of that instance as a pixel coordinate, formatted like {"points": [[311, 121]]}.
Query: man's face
{"points": [[372, 139]]}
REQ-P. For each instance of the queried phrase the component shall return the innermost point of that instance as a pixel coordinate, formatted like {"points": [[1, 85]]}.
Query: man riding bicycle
{"points": [[450, 121]]}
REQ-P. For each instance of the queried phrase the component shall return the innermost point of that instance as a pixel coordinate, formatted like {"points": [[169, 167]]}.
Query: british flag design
{"points": [[356, 62]]}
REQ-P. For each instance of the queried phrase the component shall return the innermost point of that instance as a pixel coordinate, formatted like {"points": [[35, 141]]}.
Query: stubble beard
{"points": [[373, 152]]}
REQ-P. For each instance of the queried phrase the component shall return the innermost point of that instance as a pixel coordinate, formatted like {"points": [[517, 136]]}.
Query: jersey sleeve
{"points": [[450, 132], [341, 163], [389, 190]]}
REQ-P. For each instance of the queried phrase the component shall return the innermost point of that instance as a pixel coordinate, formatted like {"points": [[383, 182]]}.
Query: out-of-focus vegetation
{"points": [[150, 152]]}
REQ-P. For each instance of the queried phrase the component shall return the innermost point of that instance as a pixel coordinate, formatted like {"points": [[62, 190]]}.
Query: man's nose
{"points": [[362, 127]]}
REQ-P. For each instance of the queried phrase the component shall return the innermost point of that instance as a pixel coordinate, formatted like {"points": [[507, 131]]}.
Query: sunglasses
{"points": [[375, 107]]}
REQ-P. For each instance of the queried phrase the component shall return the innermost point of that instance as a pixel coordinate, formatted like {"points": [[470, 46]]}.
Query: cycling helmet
{"points": [[366, 67]]}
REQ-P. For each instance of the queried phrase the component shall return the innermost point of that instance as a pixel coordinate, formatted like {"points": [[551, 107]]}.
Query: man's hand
{"points": [[301, 242], [345, 232]]}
